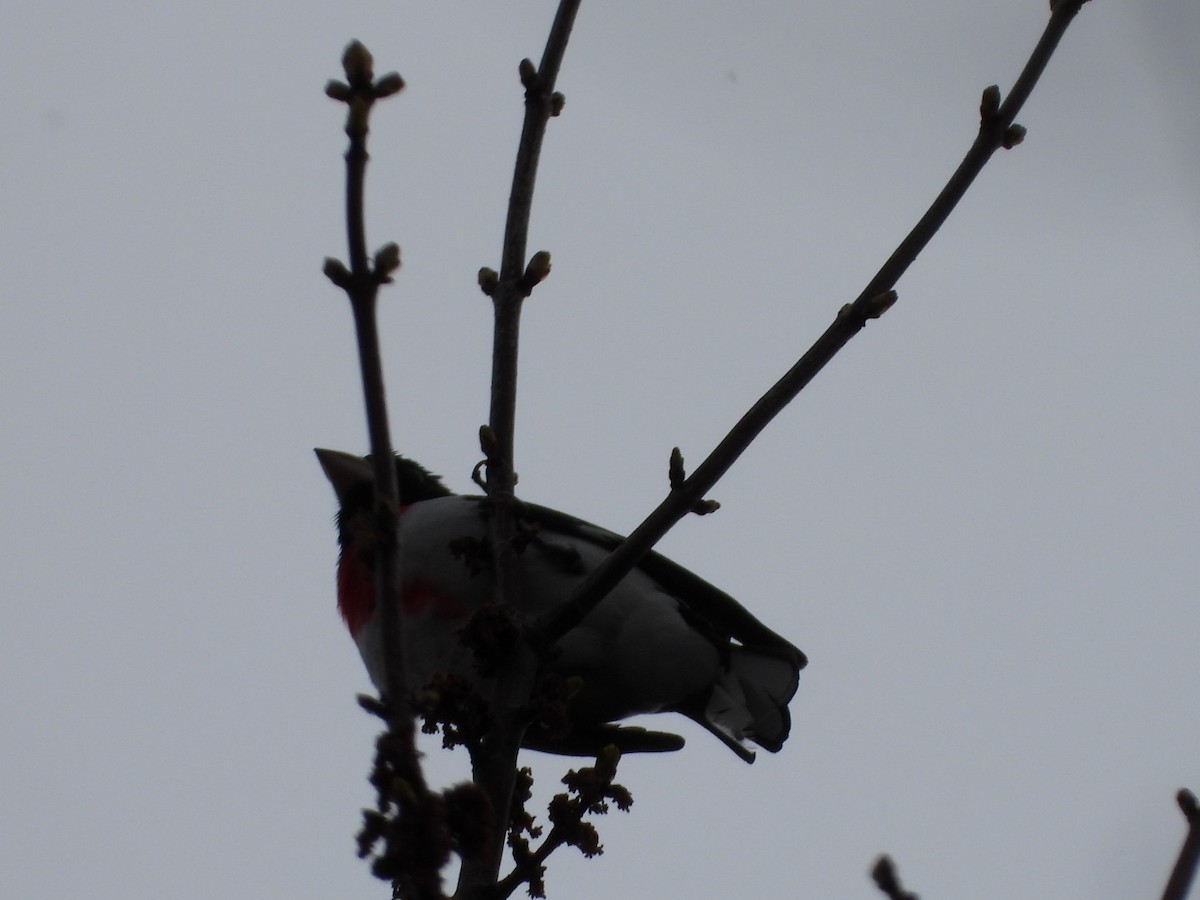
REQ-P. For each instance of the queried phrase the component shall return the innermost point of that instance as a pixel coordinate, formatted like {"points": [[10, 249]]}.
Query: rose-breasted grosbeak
{"points": [[662, 640]]}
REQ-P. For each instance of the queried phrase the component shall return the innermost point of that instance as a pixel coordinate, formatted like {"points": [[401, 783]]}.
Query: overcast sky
{"points": [[980, 522]]}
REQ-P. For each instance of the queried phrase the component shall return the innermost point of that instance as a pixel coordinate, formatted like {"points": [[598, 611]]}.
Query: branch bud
{"points": [[557, 102], [879, 304], [1187, 804], [675, 473], [488, 442], [337, 90], [489, 279], [389, 84], [528, 73], [387, 261], [884, 875], [537, 270], [1013, 136], [989, 104], [336, 271], [358, 64]]}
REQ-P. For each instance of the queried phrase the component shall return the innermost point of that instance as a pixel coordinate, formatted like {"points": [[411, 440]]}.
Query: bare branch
{"points": [[884, 875], [517, 275], [493, 762], [1189, 854], [996, 130], [413, 865]]}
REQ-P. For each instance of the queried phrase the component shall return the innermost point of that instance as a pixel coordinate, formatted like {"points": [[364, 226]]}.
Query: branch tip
{"points": [[675, 471], [886, 879], [1188, 805], [358, 64]]}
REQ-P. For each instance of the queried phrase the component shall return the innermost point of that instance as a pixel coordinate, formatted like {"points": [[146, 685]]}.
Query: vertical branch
{"points": [[416, 875], [1189, 854], [517, 278], [361, 283], [494, 761]]}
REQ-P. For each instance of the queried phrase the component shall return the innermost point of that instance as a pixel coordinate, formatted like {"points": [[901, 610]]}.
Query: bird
{"points": [[663, 640]]}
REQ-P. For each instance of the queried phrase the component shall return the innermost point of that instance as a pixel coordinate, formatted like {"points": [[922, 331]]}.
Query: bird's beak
{"points": [[345, 471]]}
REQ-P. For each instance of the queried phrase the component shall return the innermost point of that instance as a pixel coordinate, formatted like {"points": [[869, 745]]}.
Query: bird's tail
{"points": [[749, 701]]}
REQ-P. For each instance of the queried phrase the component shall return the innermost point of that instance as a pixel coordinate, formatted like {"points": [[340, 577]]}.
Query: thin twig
{"points": [[996, 130], [361, 283], [493, 762], [1189, 854], [518, 275], [883, 873]]}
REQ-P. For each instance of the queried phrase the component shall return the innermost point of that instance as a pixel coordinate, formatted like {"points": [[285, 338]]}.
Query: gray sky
{"points": [[980, 522]]}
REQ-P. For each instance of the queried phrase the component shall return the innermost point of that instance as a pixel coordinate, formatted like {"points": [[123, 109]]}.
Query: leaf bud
{"points": [[489, 279], [389, 84]]}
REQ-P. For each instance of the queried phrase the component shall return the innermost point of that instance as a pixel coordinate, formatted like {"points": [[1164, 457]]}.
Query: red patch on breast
{"points": [[420, 597], [355, 593]]}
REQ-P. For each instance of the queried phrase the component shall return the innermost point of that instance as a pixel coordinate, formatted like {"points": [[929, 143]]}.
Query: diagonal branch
{"points": [[996, 130]]}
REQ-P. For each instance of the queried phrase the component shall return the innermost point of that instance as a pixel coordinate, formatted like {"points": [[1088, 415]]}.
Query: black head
{"points": [[352, 477]]}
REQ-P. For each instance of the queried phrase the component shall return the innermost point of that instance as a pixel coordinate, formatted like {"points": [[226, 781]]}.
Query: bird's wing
{"points": [[711, 603]]}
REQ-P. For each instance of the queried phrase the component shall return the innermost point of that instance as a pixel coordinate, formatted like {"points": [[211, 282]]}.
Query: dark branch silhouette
{"points": [[494, 759], [410, 818], [419, 827], [1189, 854], [996, 130], [883, 873]]}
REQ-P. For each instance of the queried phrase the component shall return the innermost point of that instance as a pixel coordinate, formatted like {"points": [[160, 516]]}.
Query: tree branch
{"points": [[883, 873], [1189, 854], [494, 760], [996, 130], [415, 875], [518, 277]]}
